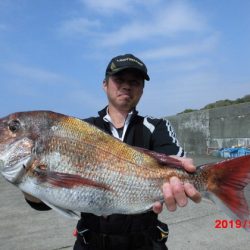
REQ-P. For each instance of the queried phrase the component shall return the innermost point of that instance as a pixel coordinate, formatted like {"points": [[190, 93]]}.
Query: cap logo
{"points": [[129, 59], [112, 66]]}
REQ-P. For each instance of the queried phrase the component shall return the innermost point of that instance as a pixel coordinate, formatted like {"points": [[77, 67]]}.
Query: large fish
{"points": [[74, 167]]}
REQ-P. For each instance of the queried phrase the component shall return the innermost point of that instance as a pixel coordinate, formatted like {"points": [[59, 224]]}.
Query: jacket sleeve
{"points": [[163, 137], [38, 206]]}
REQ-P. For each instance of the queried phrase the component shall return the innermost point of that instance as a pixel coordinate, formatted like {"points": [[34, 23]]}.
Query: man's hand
{"points": [[175, 192]]}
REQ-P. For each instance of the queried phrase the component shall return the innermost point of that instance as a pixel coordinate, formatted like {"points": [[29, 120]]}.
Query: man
{"points": [[124, 84]]}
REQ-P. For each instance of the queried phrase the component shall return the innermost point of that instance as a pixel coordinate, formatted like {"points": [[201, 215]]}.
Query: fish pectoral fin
{"points": [[66, 212], [66, 180]]}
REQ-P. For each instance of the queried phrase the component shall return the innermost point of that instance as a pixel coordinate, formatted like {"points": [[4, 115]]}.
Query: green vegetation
{"points": [[188, 111], [221, 103]]}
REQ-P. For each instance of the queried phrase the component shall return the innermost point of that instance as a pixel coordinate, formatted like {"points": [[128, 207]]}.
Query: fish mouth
{"points": [[14, 173], [14, 158]]}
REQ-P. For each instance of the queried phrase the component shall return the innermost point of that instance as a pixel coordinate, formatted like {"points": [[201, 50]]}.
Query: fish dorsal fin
{"points": [[162, 159]]}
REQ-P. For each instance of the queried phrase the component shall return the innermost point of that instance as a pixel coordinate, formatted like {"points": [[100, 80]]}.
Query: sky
{"points": [[53, 54]]}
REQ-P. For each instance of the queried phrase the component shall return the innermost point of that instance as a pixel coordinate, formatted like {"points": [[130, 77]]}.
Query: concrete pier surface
{"points": [[192, 227]]}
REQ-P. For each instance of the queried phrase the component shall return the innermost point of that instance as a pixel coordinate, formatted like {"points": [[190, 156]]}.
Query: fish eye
{"points": [[14, 125]]}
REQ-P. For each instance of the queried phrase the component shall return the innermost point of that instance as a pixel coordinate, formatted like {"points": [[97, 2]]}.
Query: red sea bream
{"points": [[74, 167]]}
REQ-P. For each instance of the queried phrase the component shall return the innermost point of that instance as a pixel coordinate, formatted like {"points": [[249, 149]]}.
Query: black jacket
{"points": [[146, 132]]}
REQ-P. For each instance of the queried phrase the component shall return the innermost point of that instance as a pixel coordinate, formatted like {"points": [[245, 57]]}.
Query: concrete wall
{"points": [[200, 131]]}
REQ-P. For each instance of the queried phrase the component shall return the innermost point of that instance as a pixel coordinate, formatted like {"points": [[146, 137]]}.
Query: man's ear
{"points": [[104, 85]]}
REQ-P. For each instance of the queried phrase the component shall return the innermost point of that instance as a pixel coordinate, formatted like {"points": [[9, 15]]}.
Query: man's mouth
{"points": [[124, 94]]}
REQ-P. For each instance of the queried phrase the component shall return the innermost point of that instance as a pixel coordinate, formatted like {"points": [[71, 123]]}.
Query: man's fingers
{"points": [[168, 197], [178, 192], [192, 193], [175, 192], [157, 207], [186, 163]]}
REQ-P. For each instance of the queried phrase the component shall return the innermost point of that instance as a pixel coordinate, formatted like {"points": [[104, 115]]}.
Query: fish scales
{"points": [[66, 144]]}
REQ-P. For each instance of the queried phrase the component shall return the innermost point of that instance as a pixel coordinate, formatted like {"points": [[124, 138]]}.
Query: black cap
{"points": [[127, 61]]}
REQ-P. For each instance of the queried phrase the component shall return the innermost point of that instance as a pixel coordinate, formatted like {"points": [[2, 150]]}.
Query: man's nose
{"points": [[126, 84]]}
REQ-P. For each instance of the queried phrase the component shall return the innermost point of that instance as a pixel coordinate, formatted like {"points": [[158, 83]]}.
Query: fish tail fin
{"points": [[226, 183]]}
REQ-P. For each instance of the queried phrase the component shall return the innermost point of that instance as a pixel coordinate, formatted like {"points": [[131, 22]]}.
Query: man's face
{"points": [[124, 89]]}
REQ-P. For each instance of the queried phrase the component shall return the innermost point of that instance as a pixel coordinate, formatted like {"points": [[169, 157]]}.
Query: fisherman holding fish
{"points": [[114, 171], [124, 85]]}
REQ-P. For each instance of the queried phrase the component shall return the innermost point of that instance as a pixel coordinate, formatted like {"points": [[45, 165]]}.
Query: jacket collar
{"points": [[103, 112]]}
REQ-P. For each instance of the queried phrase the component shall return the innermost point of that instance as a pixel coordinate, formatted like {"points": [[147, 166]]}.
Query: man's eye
{"points": [[118, 80], [135, 83]]}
